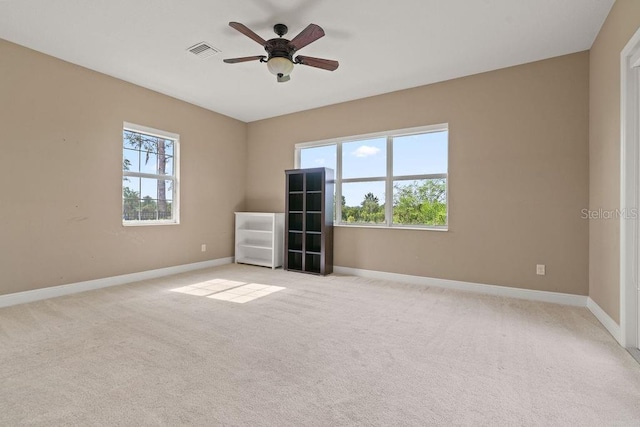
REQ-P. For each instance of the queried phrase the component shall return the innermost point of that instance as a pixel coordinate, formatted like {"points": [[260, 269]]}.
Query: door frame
{"points": [[629, 191]]}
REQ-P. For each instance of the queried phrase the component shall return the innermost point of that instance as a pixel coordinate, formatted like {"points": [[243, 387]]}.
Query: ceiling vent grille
{"points": [[203, 50]]}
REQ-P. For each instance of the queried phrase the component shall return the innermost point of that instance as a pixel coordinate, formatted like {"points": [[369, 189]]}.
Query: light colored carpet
{"points": [[325, 351]]}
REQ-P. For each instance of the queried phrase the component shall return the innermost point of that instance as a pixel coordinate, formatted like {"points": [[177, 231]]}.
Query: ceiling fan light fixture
{"points": [[280, 65]]}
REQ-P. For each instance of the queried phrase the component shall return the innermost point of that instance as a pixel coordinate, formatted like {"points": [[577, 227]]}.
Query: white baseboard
{"points": [[528, 294], [610, 324], [72, 288]]}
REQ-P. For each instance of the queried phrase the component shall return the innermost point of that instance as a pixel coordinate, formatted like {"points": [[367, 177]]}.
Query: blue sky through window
{"points": [[318, 157], [364, 159], [420, 154]]}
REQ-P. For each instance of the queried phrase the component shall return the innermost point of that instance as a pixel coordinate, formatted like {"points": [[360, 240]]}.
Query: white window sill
{"points": [[147, 223], [395, 227]]}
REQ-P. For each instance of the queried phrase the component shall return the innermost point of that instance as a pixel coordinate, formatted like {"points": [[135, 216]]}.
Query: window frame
{"points": [[175, 177], [388, 178]]}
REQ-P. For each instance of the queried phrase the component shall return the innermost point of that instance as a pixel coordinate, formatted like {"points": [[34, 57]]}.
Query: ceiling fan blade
{"points": [[247, 32], [310, 34], [245, 59], [284, 78], [325, 64]]}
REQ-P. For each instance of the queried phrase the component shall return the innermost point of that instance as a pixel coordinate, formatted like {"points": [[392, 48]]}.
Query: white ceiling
{"points": [[382, 45]]}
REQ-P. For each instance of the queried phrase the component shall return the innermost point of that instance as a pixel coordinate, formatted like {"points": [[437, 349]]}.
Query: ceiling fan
{"points": [[280, 51]]}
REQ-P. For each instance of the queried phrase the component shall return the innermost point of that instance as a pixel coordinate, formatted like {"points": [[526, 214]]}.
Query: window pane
{"points": [[131, 183], [166, 211], [420, 154], [131, 160], [168, 166], [130, 198], [164, 161], [422, 202], [130, 140], [367, 158], [148, 209], [149, 188], [363, 202], [156, 188], [168, 147], [131, 209], [318, 157], [165, 189], [149, 162]]}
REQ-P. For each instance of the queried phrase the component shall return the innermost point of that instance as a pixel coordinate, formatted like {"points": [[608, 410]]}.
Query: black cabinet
{"points": [[309, 220]]}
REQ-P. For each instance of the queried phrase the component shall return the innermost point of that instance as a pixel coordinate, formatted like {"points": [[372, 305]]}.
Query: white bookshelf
{"points": [[259, 238]]}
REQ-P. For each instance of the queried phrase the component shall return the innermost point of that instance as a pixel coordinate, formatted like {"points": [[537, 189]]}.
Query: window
{"points": [[393, 179], [149, 176]]}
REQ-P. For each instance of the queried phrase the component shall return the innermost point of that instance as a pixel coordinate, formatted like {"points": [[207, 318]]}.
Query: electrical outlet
{"points": [[203, 248], [540, 270]]}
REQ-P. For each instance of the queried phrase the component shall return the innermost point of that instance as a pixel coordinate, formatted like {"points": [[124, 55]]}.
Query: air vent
{"points": [[203, 50]]}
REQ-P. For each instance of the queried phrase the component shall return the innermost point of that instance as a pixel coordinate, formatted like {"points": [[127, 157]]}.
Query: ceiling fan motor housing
{"points": [[279, 48]]}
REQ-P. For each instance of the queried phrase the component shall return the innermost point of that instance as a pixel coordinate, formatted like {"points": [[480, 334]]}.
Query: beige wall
{"points": [[518, 175], [60, 141], [604, 152]]}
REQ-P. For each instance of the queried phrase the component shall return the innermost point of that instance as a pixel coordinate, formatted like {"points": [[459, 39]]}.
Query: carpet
{"points": [[324, 351]]}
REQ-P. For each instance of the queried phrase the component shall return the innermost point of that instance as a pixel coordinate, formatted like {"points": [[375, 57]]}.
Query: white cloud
{"points": [[366, 151], [320, 161]]}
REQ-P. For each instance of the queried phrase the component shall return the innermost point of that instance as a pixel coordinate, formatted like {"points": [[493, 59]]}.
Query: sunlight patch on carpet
{"points": [[228, 290]]}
